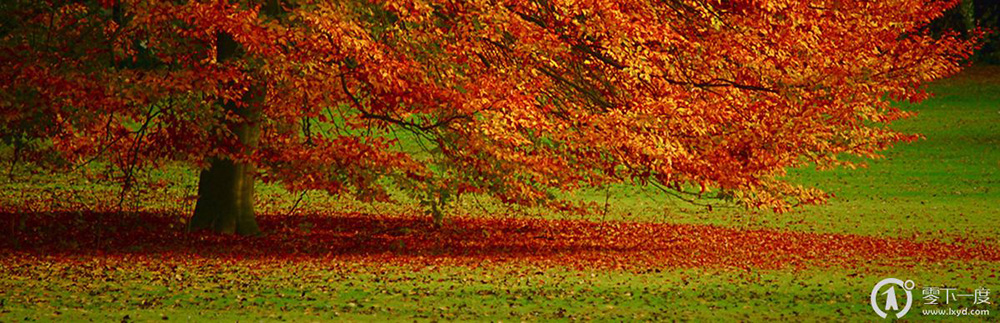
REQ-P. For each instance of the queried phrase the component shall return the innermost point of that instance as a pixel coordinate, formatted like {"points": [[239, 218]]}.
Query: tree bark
{"points": [[968, 14], [225, 199], [226, 188]]}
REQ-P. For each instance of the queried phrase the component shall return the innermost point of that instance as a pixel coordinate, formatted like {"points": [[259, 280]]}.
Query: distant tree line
{"points": [[968, 15]]}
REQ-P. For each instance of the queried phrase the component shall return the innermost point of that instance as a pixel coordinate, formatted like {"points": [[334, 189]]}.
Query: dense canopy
{"points": [[513, 98]]}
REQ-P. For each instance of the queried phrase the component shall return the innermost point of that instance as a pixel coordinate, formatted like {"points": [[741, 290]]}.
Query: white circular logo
{"points": [[891, 303]]}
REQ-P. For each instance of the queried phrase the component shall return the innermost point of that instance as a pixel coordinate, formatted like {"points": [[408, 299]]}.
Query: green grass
{"points": [[353, 292]]}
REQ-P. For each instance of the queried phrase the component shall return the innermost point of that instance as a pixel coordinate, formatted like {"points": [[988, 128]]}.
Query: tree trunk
{"points": [[226, 188], [225, 199], [968, 14]]}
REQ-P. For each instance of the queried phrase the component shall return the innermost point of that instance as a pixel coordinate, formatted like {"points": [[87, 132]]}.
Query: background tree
{"points": [[966, 18], [516, 99]]}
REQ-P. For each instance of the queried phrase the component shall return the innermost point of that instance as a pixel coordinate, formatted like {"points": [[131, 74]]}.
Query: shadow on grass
{"points": [[394, 239]]}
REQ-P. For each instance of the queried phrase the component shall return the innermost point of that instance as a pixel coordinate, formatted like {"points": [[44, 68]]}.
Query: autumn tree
{"points": [[515, 99]]}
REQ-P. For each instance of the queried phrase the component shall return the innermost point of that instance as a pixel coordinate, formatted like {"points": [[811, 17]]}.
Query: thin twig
{"points": [[296, 205]]}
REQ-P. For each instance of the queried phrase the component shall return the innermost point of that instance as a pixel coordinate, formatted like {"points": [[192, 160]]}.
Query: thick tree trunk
{"points": [[225, 199], [226, 188]]}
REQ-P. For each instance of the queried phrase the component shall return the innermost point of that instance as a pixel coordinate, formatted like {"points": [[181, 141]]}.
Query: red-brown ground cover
{"points": [[466, 241]]}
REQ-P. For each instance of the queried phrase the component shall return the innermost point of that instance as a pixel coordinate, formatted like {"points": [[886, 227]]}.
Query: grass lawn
{"points": [[326, 291], [927, 212]]}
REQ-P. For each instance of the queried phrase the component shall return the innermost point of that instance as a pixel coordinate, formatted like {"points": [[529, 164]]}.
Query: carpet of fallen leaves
{"points": [[464, 241]]}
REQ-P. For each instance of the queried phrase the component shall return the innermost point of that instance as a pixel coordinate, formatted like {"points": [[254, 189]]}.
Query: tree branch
{"points": [[368, 115]]}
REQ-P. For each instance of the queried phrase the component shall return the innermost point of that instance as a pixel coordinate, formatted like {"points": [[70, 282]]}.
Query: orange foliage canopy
{"points": [[513, 98]]}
